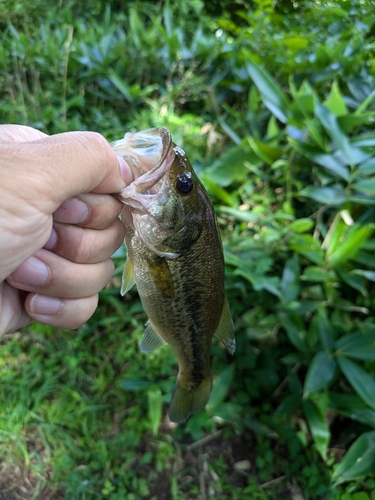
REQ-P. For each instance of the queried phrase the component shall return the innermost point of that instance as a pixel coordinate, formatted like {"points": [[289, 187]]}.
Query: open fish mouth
{"points": [[150, 156]]}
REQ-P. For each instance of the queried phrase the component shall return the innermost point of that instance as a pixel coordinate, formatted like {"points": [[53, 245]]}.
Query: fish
{"points": [[175, 257]]}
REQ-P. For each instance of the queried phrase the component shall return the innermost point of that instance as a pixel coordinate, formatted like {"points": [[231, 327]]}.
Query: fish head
{"points": [[166, 199]]}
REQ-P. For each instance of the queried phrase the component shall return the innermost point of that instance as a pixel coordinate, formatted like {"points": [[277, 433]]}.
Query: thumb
{"points": [[62, 166]]}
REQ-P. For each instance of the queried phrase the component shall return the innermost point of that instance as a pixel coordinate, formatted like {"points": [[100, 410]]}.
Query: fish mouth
{"points": [[150, 156]]}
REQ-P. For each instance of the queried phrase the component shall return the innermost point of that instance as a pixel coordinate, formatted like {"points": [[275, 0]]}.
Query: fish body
{"points": [[175, 258]]}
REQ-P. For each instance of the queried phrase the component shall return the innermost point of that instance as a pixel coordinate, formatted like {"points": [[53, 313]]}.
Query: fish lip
{"points": [[142, 190], [139, 147]]}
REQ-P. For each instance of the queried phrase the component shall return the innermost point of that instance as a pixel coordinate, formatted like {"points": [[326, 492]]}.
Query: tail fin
{"points": [[186, 401]]}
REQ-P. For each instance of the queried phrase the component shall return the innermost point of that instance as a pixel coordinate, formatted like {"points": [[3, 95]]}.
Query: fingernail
{"points": [[73, 211], [32, 272], [125, 170], [44, 305], [51, 243]]}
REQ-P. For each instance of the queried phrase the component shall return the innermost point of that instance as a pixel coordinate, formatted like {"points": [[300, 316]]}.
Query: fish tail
{"points": [[187, 400]]}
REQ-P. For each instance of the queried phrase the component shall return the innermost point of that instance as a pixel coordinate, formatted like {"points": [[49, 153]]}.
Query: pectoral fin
{"points": [[127, 276], [161, 276], [224, 331], [151, 340]]}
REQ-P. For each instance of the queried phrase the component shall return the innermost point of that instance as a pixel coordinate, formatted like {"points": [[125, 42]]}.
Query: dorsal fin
{"points": [[151, 340], [224, 331]]}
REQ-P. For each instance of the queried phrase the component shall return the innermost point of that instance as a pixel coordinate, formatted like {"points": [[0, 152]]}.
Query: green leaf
{"points": [[325, 329], [326, 195], [335, 101], [352, 154], [154, 409], [369, 275], [290, 280], [315, 273], [221, 387], [307, 246], [330, 162], [350, 246], [358, 461], [135, 385], [259, 427], [357, 345], [221, 194], [241, 215], [301, 225], [318, 427], [367, 168], [265, 152], [320, 372], [119, 84], [293, 326], [230, 166], [350, 122], [352, 406], [365, 103], [365, 186], [361, 381], [273, 97]]}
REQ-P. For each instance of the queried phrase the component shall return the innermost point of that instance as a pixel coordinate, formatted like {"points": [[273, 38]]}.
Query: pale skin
{"points": [[59, 225]]}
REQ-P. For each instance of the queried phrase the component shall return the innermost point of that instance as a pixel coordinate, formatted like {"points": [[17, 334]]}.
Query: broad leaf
{"points": [[325, 329], [352, 154], [326, 195], [318, 427], [361, 381], [320, 372], [358, 461], [307, 246], [273, 96], [290, 280], [365, 186], [230, 166], [221, 387], [357, 345], [301, 225], [154, 409], [335, 101], [350, 246], [293, 326], [315, 273], [330, 162], [367, 168]]}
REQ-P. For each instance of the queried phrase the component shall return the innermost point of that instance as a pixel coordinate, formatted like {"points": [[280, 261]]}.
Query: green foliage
{"points": [[275, 108]]}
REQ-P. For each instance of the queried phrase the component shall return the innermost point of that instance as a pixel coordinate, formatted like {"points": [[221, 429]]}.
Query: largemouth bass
{"points": [[175, 258]]}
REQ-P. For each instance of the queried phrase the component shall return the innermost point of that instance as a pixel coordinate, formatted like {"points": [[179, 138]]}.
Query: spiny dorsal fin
{"points": [[127, 276], [224, 331], [151, 340], [161, 276]]}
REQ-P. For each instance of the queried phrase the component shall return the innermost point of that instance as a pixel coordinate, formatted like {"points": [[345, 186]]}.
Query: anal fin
{"points": [[151, 340], [224, 331]]}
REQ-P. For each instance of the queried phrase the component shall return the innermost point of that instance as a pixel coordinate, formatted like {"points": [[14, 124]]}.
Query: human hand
{"points": [[58, 225]]}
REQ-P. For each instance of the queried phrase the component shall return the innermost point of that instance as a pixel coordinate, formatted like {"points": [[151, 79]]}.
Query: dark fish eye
{"points": [[184, 183]]}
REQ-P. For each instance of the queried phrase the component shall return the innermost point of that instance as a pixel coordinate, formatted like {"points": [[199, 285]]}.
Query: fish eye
{"points": [[184, 183]]}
